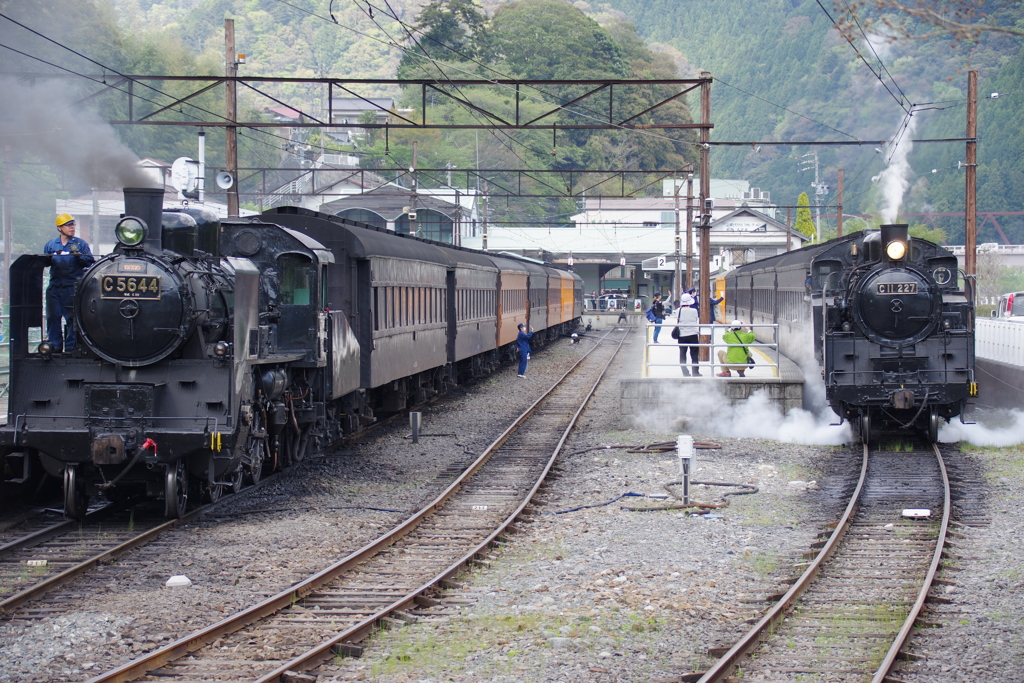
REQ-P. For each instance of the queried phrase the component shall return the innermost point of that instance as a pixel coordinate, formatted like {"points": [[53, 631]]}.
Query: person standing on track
{"points": [[69, 257], [523, 342]]}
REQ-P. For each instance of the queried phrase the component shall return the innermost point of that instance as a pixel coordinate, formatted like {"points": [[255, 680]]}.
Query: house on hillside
{"points": [[346, 112]]}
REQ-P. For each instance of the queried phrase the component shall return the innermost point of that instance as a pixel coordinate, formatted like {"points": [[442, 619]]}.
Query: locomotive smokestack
{"points": [[147, 203], [895, 240], [895, 231]]}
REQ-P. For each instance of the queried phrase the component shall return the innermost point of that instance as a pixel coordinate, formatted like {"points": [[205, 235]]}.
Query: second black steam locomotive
{"points": [[212, 351], [886, 317]]}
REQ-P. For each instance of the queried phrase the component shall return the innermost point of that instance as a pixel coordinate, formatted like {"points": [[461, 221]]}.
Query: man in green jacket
{"points": [[737, 357]]}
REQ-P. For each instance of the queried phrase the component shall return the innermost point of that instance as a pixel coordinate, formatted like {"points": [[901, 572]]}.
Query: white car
{"points": [[1011, 307]]}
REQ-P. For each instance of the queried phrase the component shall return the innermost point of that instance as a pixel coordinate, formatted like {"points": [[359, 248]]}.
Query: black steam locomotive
{"points": [[210, 352], [885, 318]]}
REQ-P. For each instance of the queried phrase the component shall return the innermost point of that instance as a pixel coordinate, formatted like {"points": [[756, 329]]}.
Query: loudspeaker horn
{"points": [[225, 180]]}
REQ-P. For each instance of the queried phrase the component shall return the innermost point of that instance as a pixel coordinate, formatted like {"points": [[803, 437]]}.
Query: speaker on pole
{"points": [[225, 180]]}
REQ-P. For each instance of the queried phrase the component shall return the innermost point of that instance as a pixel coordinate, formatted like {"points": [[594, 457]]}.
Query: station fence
{"points": [[710, 342], [999, 340]]}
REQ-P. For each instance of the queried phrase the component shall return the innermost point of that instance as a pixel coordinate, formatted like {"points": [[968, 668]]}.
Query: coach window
{"points": [[295, 279]]}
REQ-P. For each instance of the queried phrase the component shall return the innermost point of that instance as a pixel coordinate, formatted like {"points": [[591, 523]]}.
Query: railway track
{"points": [[848, 616], [41, 560], [41, 550], [384, 582]]}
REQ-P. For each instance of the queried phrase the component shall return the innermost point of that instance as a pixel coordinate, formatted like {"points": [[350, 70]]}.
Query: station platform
{"points": [[652, 384]]}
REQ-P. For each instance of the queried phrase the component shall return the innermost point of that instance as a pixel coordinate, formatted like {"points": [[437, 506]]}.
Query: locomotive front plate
{"points": [[130, 287], [897, 288]]}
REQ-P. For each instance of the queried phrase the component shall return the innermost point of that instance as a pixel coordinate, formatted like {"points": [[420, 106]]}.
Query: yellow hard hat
{"points": [[64, 218]]}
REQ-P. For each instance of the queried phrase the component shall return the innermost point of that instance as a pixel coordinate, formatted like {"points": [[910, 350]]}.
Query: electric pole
{"points": [[971, 192], [231, 112], [839, 205], [820, 190]]}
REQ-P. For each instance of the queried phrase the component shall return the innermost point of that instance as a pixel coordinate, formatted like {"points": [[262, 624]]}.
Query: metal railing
{"points": [[1000, 339], [710, 337]]}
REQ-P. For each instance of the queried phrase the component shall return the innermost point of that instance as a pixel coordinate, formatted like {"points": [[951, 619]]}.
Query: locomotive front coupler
{"points": [[147, 445]]}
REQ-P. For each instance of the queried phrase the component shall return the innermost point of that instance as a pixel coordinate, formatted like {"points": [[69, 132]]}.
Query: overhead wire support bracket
{"points": [[621, 112]]}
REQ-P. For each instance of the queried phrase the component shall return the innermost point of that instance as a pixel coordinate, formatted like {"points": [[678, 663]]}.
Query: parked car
{"points": [[1010, 306]]}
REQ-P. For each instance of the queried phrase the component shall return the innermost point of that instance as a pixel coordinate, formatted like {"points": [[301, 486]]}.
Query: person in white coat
{"points": [[689, 330]]}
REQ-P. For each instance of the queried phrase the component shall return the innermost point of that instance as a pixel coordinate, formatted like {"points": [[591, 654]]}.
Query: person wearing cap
{"points": [[658, 312], [737, 356], [689, 330], [69, 257], [523, 343]]}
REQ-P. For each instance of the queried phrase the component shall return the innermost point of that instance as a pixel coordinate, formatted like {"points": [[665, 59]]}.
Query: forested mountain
{"points": [[782, 74]]}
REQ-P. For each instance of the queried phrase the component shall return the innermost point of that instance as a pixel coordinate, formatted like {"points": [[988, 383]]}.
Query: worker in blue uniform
{"points": [[69, 257], [523, 344]]}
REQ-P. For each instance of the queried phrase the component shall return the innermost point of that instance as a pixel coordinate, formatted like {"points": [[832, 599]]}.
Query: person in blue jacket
{"points": [[523, 342], [69, 257]]}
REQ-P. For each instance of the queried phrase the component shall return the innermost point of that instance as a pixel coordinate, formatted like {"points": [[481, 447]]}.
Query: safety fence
{"points": [[710, 343], [1000, 340]]}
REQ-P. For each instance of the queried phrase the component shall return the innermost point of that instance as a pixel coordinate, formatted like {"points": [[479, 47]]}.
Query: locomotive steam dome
{"points": [[895, 306], [133, 309]]}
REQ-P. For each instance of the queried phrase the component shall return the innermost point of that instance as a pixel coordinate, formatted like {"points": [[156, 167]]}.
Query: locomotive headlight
{"points": [[130, 231], [947, 325], [896, 250], [45, 349], [847, 327], [221, 349]]}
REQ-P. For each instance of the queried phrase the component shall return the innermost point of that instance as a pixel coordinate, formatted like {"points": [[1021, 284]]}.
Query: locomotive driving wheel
{"points": [[864, 423], [176, 490], [236, 481], [212, 492], [255, 448], [76, 500], [933, 424]]}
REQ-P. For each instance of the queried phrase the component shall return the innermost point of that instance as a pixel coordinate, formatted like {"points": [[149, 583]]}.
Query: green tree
{"points": [[551, 39], [445, 30], [923, 232], [804, 222]]}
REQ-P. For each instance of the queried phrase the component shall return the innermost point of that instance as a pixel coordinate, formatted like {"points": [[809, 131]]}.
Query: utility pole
{"points": [[839, 204], [789, 228], [704, 293], [6, 217], [820, 190], [483, 217], [705, 200], [676, 182], [971, 192], [413, 223], [231, 111], [689, 230]]}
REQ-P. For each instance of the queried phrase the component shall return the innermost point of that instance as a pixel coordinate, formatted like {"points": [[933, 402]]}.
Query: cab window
{"points": [[295, 279]]}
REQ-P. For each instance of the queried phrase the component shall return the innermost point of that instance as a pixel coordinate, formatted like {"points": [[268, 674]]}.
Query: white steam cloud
{"points": [[702, 408], [37, 121], [1008, 431], [895, 179]]}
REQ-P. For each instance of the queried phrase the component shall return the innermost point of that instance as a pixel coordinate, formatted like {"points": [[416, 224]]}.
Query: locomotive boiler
{"points": [[889, 322]]}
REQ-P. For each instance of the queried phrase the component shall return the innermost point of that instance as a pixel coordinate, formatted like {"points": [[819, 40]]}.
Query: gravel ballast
{"points": [[597, 593]]}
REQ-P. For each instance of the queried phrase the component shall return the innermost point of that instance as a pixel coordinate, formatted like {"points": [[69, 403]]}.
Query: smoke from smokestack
{"points": [[895, 179], [42, 121]]}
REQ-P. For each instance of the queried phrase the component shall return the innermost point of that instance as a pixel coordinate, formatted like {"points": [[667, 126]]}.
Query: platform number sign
{"points": [[662, 261]]}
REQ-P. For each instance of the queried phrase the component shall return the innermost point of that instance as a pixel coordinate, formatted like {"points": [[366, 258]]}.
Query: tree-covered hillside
{"points": [[784, 73]]}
